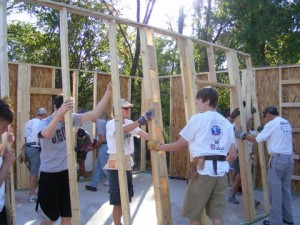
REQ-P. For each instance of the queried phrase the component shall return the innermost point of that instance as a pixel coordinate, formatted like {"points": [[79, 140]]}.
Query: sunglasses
{"points": [[126, 108]]}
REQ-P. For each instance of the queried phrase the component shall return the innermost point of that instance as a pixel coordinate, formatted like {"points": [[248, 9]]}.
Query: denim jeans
{"points": [[99, 173]]}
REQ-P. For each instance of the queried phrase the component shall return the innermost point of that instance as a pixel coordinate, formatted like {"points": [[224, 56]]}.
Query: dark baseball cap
{"points": [[81, 132], [270, 109]]}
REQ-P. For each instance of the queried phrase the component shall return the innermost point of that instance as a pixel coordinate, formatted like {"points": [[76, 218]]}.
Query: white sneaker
{"points": [[106, 183], [32, 199]]}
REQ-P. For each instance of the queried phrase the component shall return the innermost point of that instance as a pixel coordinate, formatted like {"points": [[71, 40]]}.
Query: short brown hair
{"points": [[208, 93], [6, 112]]}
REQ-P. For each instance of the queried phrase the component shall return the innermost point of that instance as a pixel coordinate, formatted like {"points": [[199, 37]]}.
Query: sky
{"points": [[164, 10]]}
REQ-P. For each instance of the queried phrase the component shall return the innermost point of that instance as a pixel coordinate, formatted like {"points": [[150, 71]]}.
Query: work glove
{"points": [[153, 145], [144, 119], [260, 128], [240, 134]]}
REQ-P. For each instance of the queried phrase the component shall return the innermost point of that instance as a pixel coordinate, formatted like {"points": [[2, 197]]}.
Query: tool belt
{"points": [[199, 162], [112, 163]]}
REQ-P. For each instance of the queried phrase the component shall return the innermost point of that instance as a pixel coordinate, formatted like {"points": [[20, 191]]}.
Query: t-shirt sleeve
{"points": [[188, 131], [101, 128], [76, 120], [265, 133]]}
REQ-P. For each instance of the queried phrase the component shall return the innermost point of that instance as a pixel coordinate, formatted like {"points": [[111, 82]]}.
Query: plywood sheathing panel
{"points": [[103, 80], [178, 160], [267, 83], [40, 77]]}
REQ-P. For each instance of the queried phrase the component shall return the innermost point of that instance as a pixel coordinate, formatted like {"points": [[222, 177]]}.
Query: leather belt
{"points": [[214, 158]]}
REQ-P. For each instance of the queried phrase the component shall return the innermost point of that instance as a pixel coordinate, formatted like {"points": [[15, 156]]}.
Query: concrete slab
{"points": [[95, 208]]}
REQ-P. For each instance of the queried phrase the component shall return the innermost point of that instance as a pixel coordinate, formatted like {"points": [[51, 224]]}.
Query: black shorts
{"points": [[3, 217], [236, 165], [114, 190], [54, 195]]}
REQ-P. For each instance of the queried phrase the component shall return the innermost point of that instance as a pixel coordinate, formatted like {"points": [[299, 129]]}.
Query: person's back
{"points": [[33, 150], [210, 138]]}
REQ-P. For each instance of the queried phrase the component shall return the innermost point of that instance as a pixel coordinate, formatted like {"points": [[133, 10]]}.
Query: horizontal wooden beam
{"points": [[285, 82], [296, 157], [290, 104], [296, 130], [91, 13], [45, 91], [295, 177], [215, 84]]}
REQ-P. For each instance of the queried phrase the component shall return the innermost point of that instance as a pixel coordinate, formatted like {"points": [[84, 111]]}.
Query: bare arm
{"points": [[58, 115], [95, 113], [251, 138], [179, 145], [8, 159], [232, 154]]}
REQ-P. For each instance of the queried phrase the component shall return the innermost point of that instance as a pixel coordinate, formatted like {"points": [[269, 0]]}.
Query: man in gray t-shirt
{"points": [[54, 192]]}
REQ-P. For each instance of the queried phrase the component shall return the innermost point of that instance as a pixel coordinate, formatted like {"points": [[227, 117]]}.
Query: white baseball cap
{"points": [[125, 104], [41, 112]]}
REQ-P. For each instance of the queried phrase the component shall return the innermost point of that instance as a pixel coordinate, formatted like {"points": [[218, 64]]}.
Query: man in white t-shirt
{"points": [[278, 134], [130, 129], [33, 150], [211, 141]]}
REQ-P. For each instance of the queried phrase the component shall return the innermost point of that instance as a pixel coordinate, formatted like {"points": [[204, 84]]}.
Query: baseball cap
{"points": [[270, 109], [125, 104], [80, 132], [41, 111]]}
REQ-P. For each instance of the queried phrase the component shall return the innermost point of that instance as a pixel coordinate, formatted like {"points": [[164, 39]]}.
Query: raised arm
{"points": [[94, 114]]}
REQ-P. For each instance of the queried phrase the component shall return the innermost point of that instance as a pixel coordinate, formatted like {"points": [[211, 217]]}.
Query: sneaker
{"points": [[286, 222], [90, 188], [32, 199], [233, 200], [257, 203], [106, 183]]}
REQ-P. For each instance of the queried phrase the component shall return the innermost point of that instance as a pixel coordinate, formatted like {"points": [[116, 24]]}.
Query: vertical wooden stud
{"points": [[119, 123], [68, 116], [155, 127]]}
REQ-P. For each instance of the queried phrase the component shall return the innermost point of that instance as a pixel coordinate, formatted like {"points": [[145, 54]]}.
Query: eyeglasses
{"points": [[126, 108]]}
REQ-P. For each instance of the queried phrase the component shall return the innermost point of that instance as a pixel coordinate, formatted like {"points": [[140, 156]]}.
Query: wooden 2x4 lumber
{"points": [[290, 104], [286, 82], [215, 84], [45, 91], [188, 70], [118, 123], [87, 12], [155, 127], [246, 176], [250, 73], [23, 115], [68, 117]]}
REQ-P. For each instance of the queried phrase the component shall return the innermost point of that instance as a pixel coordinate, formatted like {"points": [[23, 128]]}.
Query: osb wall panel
{"points": [[178, 160], [290, 93], [40, 77], [267, 84], [103, 80]]}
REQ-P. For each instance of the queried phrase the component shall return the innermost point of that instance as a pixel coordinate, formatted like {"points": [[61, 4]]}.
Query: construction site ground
{"points": [[96, 210]]}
